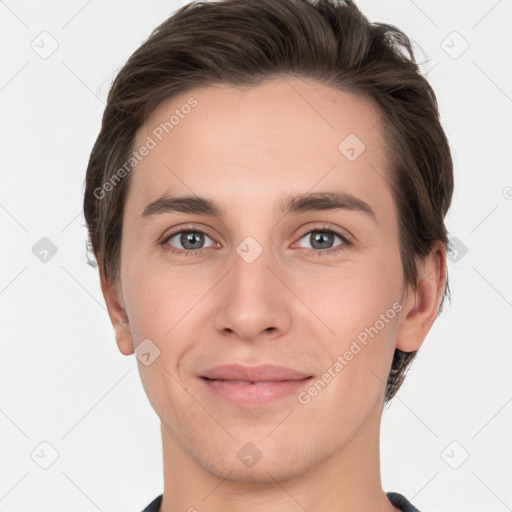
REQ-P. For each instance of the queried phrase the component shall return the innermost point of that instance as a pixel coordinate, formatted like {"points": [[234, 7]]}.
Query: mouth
{"points": [[246, 383], [253, 374], [255, 393]]}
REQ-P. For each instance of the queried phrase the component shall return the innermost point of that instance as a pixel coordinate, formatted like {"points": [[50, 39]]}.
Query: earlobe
{"points": [[420, 306], [124, 336], [118, 316]]}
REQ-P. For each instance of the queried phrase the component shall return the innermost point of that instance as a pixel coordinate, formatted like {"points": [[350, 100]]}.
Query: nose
{"points": [[253, 301]]}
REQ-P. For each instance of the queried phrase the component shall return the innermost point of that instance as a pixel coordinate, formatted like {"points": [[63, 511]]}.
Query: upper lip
{"points": [[261, 373]]}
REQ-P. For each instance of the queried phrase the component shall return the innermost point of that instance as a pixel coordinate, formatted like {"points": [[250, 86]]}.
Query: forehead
{"points": [[287, 134]]}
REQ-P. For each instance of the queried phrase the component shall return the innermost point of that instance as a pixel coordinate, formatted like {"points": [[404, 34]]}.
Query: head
{"points": [[248, 103]]}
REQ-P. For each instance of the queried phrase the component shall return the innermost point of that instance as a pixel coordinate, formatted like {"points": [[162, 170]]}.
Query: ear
{"points": [[117, 315], [420, 305]]}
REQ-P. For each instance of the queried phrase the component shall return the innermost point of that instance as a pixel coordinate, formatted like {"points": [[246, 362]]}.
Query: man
{"points": [[266, 203]]}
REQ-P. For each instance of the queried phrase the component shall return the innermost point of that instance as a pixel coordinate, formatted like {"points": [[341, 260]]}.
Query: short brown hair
{"points": [[245, 42]]}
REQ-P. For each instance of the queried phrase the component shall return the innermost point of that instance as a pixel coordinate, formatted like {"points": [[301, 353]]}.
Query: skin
{"points": [[248, 149]]}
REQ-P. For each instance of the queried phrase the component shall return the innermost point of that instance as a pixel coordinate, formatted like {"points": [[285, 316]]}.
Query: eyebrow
{"points": [[298, 203]]}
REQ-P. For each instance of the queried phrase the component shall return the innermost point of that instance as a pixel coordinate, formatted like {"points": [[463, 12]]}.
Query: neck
{"points": [[346, 480]]}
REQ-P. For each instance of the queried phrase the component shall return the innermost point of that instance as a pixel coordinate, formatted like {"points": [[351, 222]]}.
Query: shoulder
{"points": [[401, 502], [154, 506]]}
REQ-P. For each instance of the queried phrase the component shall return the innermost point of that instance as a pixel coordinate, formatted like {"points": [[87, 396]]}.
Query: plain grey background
{"points": [[77, 431]]}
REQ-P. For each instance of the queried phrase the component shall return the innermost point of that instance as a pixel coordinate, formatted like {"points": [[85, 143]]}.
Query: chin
{"points": [[252, 465]]}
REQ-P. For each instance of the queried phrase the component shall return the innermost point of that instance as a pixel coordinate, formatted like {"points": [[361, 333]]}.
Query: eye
{"points": [[321, 240], [191, 240]]}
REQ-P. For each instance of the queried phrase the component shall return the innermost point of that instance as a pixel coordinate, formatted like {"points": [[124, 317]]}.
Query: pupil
{"points": [[191, 238], [321, 238]]}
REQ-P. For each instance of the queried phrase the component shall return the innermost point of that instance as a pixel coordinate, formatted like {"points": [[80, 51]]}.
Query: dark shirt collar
{"points": [[396, 499]]}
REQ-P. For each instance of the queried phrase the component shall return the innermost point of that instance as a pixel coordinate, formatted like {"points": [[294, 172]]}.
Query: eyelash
{"points": [[311, 252]]}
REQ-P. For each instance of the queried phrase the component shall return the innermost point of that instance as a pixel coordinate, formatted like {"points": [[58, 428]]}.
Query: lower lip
{"points": [[252, 395]]}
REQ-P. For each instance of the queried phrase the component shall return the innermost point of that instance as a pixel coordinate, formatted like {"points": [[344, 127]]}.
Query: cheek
{"points": [[161, 308], [366, 329], [164, 304], [155, 305], [353, 297], [361, 307]]}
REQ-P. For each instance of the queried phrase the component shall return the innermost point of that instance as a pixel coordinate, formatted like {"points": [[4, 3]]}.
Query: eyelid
{"points": [[305, 231], [346, 238], [186, 227], [342, 233]]}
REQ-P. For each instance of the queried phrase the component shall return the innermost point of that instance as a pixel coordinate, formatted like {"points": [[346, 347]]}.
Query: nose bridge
{"points": [[250, 262]]}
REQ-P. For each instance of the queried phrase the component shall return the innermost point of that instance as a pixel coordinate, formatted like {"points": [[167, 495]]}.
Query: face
{"points": [[311, 287]]}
